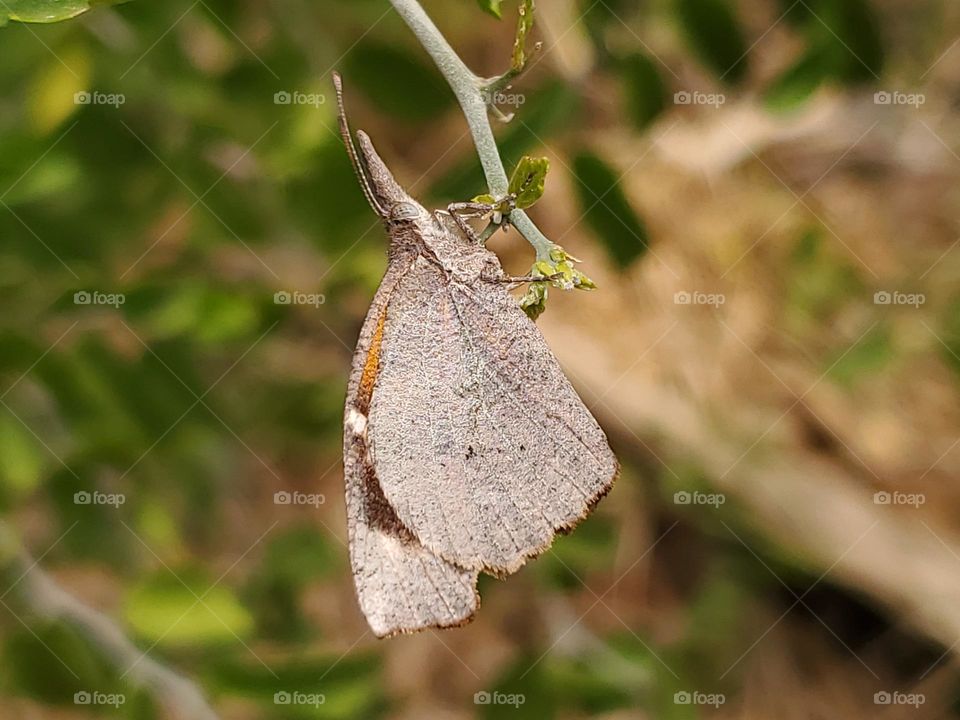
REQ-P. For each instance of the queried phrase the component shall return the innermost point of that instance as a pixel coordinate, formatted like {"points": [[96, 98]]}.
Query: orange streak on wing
{"points": [[371, 366]]}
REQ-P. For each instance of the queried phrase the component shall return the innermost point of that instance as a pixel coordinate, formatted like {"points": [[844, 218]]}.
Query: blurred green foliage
{"points": [[198, 197], [646, 94], [714, 34], [821, 283], [843, 46], [607, 211], [398, 82], [950, 332]]}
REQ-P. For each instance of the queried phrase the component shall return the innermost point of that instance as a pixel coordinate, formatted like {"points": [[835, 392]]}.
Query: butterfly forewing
{"points": [[480, 443]]}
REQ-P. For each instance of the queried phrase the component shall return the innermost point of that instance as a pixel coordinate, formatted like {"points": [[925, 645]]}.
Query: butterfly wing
{"points": [[401, 586], [481, 446]]}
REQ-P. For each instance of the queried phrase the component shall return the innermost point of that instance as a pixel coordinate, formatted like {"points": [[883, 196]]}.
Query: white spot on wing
{"points": [[356, 421]]}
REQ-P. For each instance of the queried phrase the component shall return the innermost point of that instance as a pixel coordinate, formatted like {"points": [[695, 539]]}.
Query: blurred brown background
{"points": [[766, 195]]}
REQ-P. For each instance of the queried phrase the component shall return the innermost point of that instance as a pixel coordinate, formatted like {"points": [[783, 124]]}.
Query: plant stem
{"points": [[40, 599], [466, 87]]}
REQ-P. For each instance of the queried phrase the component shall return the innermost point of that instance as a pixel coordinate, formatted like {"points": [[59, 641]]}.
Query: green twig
{"points": [[468, 89], [488, 232]]}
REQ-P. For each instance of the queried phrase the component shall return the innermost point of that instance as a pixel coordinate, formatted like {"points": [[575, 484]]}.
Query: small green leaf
{"points": [[526, 183], [524, 25], [534, 301], [45, 11], [486, 199], [563, 264], [491, 7], [558, 271], [584, 283], [542, 268]]}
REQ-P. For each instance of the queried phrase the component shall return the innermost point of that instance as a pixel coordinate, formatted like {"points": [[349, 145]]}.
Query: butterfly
{"points": [[465, 447]]}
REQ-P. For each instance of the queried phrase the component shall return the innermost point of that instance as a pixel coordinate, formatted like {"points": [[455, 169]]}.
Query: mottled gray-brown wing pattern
{"points": [[401, 586], [481, 445]]}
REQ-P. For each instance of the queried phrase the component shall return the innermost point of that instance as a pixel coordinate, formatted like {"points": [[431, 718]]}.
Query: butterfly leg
{"points": [[519, 280], [461, 211]]}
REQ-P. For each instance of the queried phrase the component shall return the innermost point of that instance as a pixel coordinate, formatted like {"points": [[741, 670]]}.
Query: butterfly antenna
{"points": [[352, 150]]}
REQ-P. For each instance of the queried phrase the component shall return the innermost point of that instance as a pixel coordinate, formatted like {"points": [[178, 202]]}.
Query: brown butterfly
{"points": [[465, 448]]}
